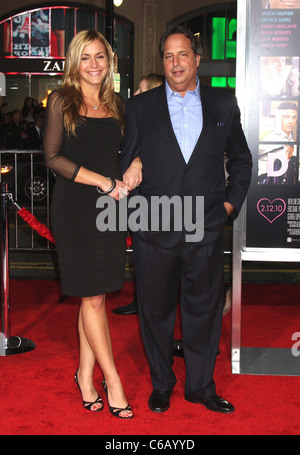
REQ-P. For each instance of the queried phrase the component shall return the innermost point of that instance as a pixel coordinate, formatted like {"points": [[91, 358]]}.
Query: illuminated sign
{"points": [[54, 66], [31, 65], [223, 47]]}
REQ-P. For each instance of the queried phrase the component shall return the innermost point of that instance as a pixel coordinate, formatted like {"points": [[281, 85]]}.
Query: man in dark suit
{"points": [[181, 132], [35, 133]]}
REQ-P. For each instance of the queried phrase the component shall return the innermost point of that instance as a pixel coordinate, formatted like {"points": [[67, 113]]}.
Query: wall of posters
{"points": [[273, 51], [38, 33]]}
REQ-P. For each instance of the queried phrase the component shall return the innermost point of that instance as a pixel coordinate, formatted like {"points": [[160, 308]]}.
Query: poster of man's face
{"points": [[281, 4], [278, 121], [279, 76]]}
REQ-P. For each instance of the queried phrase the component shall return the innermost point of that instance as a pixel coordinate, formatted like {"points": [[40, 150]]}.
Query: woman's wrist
{"points": [[107, 187]]}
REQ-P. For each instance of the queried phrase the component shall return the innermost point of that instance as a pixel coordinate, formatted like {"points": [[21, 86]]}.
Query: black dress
{"points": [[91, 262]]}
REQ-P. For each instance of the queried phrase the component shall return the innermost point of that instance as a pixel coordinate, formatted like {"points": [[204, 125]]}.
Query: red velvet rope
{"points": [[128, 241], [35, 224], [44, 231]]}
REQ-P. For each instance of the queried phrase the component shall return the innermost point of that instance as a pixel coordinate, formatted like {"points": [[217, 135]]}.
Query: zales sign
{"points": [[54, 66], [31, 65]]}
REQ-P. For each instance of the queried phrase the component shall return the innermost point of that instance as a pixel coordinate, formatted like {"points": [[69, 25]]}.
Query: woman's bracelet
{"points": [[113, 186]]}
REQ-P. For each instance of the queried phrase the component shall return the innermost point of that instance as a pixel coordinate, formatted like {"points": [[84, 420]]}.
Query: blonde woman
{"points": [[83, 132]]}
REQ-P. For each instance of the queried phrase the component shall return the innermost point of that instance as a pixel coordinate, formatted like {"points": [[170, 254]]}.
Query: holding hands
{"points": [[131, 179], [133, 176]]}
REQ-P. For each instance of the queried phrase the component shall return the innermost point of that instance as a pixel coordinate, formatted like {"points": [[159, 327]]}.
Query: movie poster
{"points": [[40, 33], [272, 116], [20, 35]]}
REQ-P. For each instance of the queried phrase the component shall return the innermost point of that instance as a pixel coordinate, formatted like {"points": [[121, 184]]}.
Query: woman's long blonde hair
{"points": [[71, 91]]}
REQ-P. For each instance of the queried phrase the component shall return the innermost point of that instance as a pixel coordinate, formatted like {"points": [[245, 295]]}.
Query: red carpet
{"points": [[39, 396]]}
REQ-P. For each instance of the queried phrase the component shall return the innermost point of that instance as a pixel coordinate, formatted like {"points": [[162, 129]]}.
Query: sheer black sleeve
{"points": [[53, 139], [121, 103]]}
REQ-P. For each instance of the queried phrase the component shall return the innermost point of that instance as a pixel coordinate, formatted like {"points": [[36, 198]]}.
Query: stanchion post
{"points": [[5, 327], [9, 344]]}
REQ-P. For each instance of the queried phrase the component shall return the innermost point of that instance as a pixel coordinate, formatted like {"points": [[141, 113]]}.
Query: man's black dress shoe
{"points": [[213, 403], [131, 308], [159, 401]]}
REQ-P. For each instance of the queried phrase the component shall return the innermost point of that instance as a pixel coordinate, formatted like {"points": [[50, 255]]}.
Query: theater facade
{"points": [[33, 43]]}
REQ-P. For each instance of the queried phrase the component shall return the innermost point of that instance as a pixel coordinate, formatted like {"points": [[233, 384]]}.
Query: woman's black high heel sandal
{"points": [[116, 411], [89, 404]]}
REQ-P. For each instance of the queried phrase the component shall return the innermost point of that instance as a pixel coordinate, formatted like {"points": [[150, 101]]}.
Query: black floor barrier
{"points": [[9, 345]]}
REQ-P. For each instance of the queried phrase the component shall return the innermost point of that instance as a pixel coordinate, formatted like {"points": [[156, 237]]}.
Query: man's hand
{"points": [[229, 207], [133, 175]]}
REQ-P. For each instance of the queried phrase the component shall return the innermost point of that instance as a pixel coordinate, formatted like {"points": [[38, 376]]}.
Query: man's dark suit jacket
{"points": [[150, 136], [34, 138]]}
